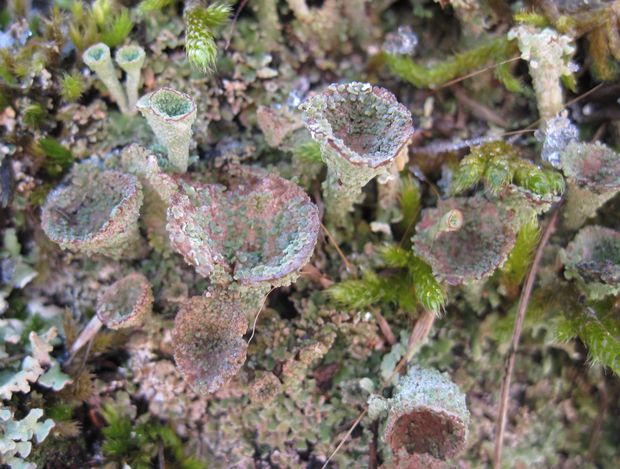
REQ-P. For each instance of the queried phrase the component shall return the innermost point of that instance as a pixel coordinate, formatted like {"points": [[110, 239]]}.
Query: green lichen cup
{"points": [[472, 251], [593, 174], [171, 115], [99, 60], [96, 213], [361, 129], [593, 259]]}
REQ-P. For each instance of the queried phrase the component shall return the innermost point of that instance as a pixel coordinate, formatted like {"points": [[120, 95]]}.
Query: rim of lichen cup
{"points": [[96, 54], [154, 102], [319, 118], [63, 205], [197, 226], [132, 291], [130, 56]]}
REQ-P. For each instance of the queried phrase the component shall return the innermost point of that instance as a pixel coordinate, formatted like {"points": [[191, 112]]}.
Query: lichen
{"points": [[261, 230], [472, 252], [208, 344], [96, 213], [593, 174], [427, 417], [171, 115], [361, 130], [126, 303], [593, 258]]}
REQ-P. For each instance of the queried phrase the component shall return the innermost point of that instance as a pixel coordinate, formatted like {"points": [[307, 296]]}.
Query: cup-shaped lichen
{"points": [[427, 418], [128, 302], [593, 174], [593, 259], [258, 232], [99, 60], [131, 59], [97, 213], [208, 341], [469, 252], [361, 129], [171, 115]]}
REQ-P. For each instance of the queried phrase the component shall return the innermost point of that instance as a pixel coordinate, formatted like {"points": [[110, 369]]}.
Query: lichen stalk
{"points": [[99, 60], [171, 115], [131, 60], [548, 54]]}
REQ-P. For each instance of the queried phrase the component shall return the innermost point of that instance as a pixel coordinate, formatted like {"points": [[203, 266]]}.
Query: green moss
{"points": [[490, 52]]}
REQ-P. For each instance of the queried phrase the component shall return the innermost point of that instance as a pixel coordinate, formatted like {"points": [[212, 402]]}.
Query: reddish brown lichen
{"points": [[261, 229], [208, 341], [126, 303], [472, 252]]}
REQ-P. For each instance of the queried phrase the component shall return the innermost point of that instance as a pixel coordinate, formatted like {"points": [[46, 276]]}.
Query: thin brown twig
{"points": [[346, 261], [532, 126], [476, 72], [234, 23], [385, 328], [524, 300], [258, 314]]}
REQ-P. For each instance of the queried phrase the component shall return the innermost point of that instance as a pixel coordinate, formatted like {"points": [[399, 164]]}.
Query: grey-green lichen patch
{"points": [[96, 213], [472, 252], [427, 415], [126, 303], [171, 115], [593, 258], [260, 229], [361, 130], [208, 345]]}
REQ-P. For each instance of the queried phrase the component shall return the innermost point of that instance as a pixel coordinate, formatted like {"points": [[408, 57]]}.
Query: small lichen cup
{"points": [[171, 115], [131, 60], [126, 303], [96, 213], [426, 421], [471, 251], [592, 172], [361, 129], [99, 60], [593, 260], [208, 340]]}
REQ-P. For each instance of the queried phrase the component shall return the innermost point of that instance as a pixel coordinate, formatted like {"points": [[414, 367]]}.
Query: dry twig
{"points": [[516, 334]]}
